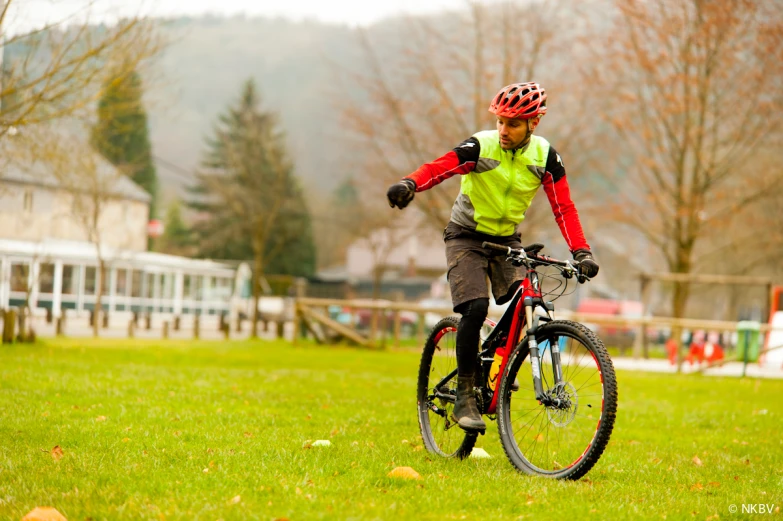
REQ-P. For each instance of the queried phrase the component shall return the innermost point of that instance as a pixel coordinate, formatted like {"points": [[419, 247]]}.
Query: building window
{"points": [[122, 282], [89, 280], [136, 283], [70, 280], [46, 278], [19, 275], [28, 201]]}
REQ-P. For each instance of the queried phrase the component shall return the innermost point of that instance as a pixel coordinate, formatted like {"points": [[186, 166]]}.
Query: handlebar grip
{"points": [[496, 247]]}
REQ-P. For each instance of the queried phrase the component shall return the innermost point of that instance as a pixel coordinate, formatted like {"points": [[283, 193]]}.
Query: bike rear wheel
{"points": [[562, 441], [440, 434]]}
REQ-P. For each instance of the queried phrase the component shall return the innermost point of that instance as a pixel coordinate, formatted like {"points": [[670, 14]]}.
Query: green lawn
{"points": [[208, 431]]}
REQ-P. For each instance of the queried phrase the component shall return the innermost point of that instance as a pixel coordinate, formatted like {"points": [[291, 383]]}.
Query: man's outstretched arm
{"points": [[461, 160]]}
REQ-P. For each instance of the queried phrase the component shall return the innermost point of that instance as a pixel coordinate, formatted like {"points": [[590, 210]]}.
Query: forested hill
{"points": [[207, 61]]}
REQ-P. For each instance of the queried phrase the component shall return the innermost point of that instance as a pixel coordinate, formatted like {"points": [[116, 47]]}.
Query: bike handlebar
{"points": [[497, 248], [570, 266]]}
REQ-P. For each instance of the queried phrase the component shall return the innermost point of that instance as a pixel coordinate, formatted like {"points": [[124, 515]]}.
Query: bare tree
{"points": [[696, 102], [427, 88], [59, 68]]}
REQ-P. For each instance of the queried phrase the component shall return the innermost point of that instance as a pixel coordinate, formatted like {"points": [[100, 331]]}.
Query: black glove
{"points": [[400, 194], [587, 265]]}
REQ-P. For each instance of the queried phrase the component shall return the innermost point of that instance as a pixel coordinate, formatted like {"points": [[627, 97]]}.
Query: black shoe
{"points": [[466, 412]]}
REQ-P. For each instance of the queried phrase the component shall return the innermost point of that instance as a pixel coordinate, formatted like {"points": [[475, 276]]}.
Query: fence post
{"points": [[239, 323], [746, 334], [196, 326], [280, 328], [398, 297], [59, 326], [176, 323], [131, 328], [165, 329], [148, 321], [420, 329], [226, 331], [384, 327], [21, 336], [297, 322], [9, 325]]}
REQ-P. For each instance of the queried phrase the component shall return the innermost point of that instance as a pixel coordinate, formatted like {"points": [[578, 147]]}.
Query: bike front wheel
{"points": [[437, 392], [564, 435]]}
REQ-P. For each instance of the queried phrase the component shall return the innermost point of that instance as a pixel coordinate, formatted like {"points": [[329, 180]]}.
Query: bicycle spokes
{"points": [[554, 429]]}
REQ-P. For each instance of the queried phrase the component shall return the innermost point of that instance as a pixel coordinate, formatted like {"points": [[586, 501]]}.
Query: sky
{"points": [[27, 14]]}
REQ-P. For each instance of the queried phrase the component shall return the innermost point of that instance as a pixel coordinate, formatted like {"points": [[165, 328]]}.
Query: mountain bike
{"points": [[550, 384]]}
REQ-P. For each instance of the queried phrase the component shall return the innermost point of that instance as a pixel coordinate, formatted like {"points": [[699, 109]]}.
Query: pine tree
{"points": [[121, 133], [250, 202], [177, 238]]}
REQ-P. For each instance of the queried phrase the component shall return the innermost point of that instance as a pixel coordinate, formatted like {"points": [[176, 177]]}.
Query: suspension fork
{"points": [[535, 355]]}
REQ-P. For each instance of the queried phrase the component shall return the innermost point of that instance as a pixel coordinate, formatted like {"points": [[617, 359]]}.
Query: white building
{"points": [[35, 207], [62, 275]]}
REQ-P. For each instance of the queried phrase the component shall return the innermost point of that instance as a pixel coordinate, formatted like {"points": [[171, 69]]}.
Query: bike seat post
{"points": [[535, 358]]}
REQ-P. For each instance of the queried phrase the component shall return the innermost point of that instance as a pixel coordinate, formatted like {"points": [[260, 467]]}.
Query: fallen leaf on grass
{"points": [[298, 491], [234, 500], [697, 486], [44, 514], [57, 453], [125, 440], [404, 473], [100, 419], [248, 435], [714, 484], [655, 461], [634, 442], [696, 461]]}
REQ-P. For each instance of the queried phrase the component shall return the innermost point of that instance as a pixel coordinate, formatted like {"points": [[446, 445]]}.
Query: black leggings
{"points": [[468, 334]]}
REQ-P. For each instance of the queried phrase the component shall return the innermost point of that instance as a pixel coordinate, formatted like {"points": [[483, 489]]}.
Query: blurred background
{"points": [[175, 161]]}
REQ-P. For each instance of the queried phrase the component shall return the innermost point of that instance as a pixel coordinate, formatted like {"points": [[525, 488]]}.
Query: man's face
{"points": [[514, 132]]}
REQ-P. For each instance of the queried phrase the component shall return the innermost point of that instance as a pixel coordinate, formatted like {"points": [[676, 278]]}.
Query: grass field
{"points": [[209, 431]]}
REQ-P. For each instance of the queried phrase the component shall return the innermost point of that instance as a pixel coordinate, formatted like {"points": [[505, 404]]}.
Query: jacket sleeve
{"points": [[462, 160], [559, 194]]}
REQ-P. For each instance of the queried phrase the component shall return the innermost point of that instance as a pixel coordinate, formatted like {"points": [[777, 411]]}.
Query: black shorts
{"points": [[470, 265]]}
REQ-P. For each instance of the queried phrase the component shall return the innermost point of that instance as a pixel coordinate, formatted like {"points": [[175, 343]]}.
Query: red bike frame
{"points": [[514, 335]]}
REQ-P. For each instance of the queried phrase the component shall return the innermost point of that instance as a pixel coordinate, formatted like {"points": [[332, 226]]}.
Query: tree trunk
{"points": [[98, 310], [680, 301], [258, 269]]}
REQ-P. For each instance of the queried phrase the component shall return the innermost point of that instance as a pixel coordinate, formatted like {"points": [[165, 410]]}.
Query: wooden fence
{"points": [[312, 316]]}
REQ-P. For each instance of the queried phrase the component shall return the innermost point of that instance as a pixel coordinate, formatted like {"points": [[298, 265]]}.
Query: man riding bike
{"points": [[501, 172]]}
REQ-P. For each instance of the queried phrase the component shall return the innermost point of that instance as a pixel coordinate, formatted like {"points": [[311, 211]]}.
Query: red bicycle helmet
{"points": [[519, 101]]}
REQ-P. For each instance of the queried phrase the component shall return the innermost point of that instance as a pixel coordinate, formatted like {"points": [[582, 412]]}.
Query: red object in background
{"points": [[713, 352], [695, 353], [155, 228], [671, 351]]}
